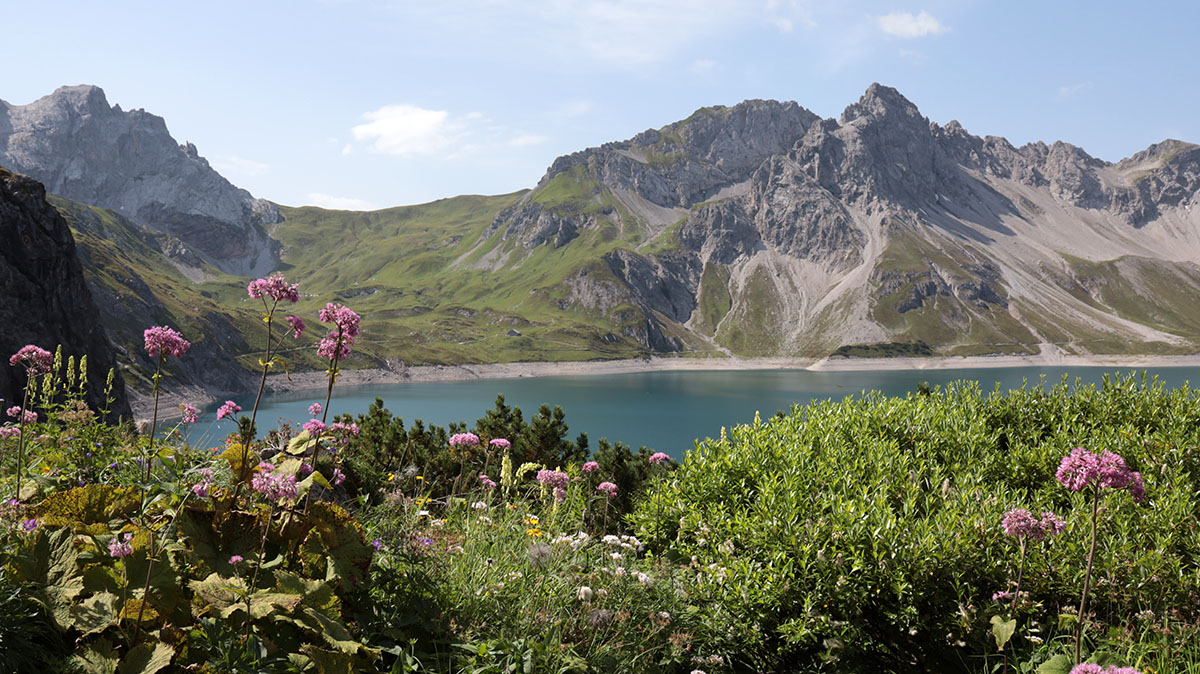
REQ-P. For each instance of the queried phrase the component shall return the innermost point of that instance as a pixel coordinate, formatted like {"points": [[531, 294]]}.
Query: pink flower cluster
{"points": [[1021, 523], [164, 340], [487, 482], [273, 485], [314, 409], [338, 477], [659, 458], [9, 431], [1082, 468], [275, 287], [297, 325], [1089, 668], [229, 409], [190, 414], [501, 443], [607, 488], [315, 427], [336, 345], [590, 466], [349, 429], [28, 416], [554, 478], [34, 359], [200, 489], [121, 546], [464, 440]]}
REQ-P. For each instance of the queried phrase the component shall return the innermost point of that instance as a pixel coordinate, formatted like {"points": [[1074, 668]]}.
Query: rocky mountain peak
{"points": [[882, 102], [82, 148]]}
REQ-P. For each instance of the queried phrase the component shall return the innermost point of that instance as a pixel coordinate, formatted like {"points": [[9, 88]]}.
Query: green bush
{"points": [[865, 535]]}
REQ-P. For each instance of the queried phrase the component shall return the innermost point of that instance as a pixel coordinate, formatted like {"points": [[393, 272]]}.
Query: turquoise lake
{"points": [[665, 411]]}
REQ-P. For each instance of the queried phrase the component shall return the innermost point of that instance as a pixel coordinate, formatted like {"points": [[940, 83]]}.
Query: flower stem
{"points": [[262, 547], [1020, 573], [154, 423], [1087, 576], [333, 373], [21, 440]]}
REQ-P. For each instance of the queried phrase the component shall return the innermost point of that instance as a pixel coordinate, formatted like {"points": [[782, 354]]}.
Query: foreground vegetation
{"points": [[870, 535]]}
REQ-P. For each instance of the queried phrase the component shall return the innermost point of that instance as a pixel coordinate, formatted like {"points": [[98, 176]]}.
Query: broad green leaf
{"points": [[220, 592], [329, 662], [1003, 630], [265, 602], [1059, 664], [96, 657], [51, 563], [96, 613], [301, 444], [147, 658]]}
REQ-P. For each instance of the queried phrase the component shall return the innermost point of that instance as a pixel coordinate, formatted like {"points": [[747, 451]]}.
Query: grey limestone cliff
{"points": [[82, 148], [46, 300]]}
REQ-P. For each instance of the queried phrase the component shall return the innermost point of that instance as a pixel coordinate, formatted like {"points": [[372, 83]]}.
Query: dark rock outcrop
{"points": [[46, 299], [83, 149]]}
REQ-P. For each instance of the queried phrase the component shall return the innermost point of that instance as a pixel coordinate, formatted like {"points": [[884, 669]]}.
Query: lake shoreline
{"points": [[305, 381]]}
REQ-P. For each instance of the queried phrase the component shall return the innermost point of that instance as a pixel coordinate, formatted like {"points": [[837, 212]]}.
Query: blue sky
{"points": [[372, 103]]}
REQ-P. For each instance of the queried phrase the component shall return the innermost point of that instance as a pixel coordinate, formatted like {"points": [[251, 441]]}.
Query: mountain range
{"points": [[759, 229]]}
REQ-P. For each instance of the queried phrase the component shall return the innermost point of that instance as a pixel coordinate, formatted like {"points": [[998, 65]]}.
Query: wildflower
{"points": [[190, 414], [479, 505], [35, 359], [275, 287], [274, 486], [29, 525], [297, 325], [698, 671], [338, 477], [235, 560], [553, 478], [314, 410], [163, 340], [305, 470], [584, 593], [464, 440], [334, 347], [377, 544], [229, 409], [341, 427], [590, 466], [315, 427], [607, 488], [535, 532], [346, 320], [1020, 523], [560, 494], [9, 431], [487, 482], [532, 519], [1052, 525], [457, 549], [1082, 468], [1089, 668], [427, 542], [641, 577], [659, 458], [121, 548], [500, 443]]}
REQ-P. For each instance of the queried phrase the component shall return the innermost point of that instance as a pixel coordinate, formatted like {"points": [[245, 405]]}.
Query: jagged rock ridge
{"points": [[83, 149], [765, 230]]}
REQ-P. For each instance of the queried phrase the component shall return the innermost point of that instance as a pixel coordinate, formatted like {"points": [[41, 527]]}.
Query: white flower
{"points": [[616, 556], [422, 513], [619, 572], [479, 505], [585, 593], [641, 577]]}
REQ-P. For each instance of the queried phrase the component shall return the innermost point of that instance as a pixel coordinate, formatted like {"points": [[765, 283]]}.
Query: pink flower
{"points": [[314, 409], [234, 560], [200, 489], [229, 409], [275, 486], [297, 325], [334, 346], [607, 488], [163, 340], [560, 494], [118, 548], [464, 440], [590, 466], [501, 443], [190, 414], [26, 416], [487, 482], [349, 429], [1052, 525], [338, 477], [346, 320], [1082, 468], [35, 359], [14, 411], [1090, 668], [1020, 523], [314, 427], [275, 287], [553, 478], [659, 458], [9, 431]]}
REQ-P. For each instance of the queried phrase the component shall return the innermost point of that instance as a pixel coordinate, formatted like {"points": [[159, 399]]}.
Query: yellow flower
{"points": [[532, 520], [391, 476], [533, 532], [420, 477]]}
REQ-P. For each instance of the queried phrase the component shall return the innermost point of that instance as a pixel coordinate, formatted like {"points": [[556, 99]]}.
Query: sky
{"points": [[364, 104]]}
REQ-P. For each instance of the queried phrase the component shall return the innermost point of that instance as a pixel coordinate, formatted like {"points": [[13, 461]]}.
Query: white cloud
{"points": [[908, 25], [238, 167], [340, 203], [1073, 90], [407, 130]]}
